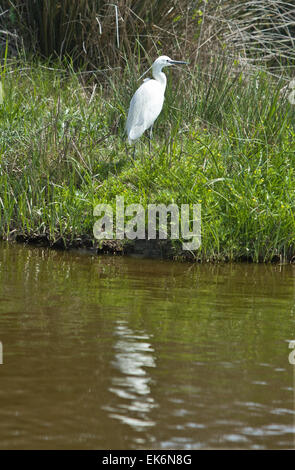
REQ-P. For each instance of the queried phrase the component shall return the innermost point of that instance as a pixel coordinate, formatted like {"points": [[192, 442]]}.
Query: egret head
{"points": [[165, 61], [160, 62]]}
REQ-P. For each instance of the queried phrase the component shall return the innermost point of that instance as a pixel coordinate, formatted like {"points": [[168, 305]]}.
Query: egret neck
{"points": [[159, 75]]}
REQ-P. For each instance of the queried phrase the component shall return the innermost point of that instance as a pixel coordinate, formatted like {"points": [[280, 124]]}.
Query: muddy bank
{"points": [[155, 249]]}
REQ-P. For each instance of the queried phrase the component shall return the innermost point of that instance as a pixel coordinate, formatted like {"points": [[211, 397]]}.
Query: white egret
{"points": [[147, 102]]}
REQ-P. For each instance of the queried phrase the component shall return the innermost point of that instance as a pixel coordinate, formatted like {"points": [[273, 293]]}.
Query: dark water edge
{"points": [[154, 249]]}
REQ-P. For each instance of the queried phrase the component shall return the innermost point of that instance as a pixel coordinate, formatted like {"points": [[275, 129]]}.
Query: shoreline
{"points": [[150, 249]]}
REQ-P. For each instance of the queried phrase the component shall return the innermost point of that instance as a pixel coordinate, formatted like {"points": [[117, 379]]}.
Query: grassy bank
{"points": [[225, 139]]}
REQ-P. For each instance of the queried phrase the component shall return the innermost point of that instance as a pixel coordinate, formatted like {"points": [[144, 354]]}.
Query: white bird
{"points": [[147, 102]]}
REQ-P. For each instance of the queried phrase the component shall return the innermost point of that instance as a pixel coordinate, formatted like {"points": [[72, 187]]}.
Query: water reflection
{"points": [[132, 358], [106, 352]]}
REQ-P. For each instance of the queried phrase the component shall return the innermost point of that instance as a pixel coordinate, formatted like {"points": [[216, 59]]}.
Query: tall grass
{"points": [[263, 31], [99, 33], [225, 139], [96, 33]]}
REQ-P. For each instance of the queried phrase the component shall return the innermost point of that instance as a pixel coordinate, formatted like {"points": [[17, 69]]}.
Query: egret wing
{"points": [[145, 106]]}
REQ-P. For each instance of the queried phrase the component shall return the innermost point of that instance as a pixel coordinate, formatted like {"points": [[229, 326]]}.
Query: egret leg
{"points": [[130, 151], [151, 136]]}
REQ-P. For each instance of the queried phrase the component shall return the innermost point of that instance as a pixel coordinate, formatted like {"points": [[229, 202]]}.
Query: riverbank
{"points": [[225, 140]]}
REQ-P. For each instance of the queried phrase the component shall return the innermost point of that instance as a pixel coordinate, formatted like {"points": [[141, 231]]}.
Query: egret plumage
{"points": [[147, 102]]}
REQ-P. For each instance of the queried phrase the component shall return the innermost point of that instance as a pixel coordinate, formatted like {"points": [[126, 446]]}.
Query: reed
{"points": [[97, 32]]}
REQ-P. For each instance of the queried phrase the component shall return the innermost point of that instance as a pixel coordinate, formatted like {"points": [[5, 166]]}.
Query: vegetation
{"points": [[225, 139], [98, 33]]}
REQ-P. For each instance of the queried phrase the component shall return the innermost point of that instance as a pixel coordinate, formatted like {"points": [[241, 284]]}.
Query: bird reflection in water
{"points": [[133, 357]]}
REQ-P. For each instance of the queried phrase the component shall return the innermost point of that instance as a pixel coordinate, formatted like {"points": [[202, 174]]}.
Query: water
{"points": [[126, 353]]}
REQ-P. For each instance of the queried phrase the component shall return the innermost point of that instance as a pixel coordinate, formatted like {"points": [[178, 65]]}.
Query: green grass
{"points": [[225, 139]]}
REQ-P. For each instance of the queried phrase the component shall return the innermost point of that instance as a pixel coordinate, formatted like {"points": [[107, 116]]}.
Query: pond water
{"points": [[129, 353]]}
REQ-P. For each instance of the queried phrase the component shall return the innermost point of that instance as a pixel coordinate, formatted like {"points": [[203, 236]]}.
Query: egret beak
{"points": [[177, 62]]}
